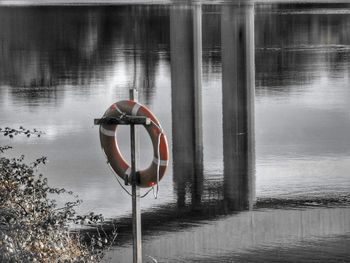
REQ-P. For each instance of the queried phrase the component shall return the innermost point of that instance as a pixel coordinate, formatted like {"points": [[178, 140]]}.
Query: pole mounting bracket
{"points": [[124, 120]]}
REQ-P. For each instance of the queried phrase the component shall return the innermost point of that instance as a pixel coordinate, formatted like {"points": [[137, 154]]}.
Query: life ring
{"points": [[155, 172]]}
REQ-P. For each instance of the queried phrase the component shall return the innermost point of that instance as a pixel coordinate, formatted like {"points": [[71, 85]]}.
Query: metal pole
{"points": [[136, 211]]}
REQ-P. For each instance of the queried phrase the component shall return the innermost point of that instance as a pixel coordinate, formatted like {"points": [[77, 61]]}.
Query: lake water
{"points": [[271, 150]]}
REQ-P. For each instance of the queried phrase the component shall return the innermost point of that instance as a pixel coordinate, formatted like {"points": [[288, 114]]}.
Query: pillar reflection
{"points": [[238, 70], [186, 62]]}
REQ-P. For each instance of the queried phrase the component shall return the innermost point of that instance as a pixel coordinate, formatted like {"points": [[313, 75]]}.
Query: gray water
{"points": [[283, 149]]}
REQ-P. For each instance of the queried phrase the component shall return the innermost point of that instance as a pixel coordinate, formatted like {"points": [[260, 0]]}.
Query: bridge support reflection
{"points": [[238, 70], [186, 72], [238, 76]]}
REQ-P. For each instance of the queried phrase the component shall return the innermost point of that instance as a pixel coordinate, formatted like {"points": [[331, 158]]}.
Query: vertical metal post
{"points": [[136, 210]]}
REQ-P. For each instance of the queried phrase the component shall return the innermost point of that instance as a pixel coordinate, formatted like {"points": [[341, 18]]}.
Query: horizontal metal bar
{"points": [[125, 120]]}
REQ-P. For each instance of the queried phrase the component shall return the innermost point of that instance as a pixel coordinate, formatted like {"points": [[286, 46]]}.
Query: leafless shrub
{"points": [[32, 226]]}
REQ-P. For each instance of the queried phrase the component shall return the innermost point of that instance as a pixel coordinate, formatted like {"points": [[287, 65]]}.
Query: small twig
{"points": [[22, 208]]}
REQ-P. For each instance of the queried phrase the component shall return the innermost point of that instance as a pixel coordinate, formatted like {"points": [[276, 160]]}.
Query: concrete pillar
{"points": [[186, 75], [238, 88]]}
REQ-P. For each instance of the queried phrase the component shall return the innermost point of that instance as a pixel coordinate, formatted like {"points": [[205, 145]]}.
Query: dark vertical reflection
{"points": [[237, 45], [42, 48], [185, 55], [148, 38]]}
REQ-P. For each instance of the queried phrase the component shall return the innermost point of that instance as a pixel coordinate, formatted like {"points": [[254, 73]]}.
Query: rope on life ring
{"points": [[150, 176]]}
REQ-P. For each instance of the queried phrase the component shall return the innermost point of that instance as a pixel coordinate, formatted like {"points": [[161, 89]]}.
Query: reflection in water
{"points": [[237, 33], [60, 67], [310, 250], [42, 35], [302, 41], [186, 63], [238, 88], [236, 235], [79, 45]]}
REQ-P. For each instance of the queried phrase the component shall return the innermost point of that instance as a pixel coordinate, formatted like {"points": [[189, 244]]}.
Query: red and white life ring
{"points": [[150, 176]]}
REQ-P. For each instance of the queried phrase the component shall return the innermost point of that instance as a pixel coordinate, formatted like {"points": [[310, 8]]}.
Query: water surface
{"points": [[282, 135]]}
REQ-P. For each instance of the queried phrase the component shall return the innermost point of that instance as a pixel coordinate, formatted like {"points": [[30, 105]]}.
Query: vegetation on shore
{"points": [[33, 228]]}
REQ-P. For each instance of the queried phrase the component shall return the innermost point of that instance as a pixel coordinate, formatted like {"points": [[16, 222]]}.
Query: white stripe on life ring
{"points": [[107, 132], [135, 109], [161, 162], [128, 171]]}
